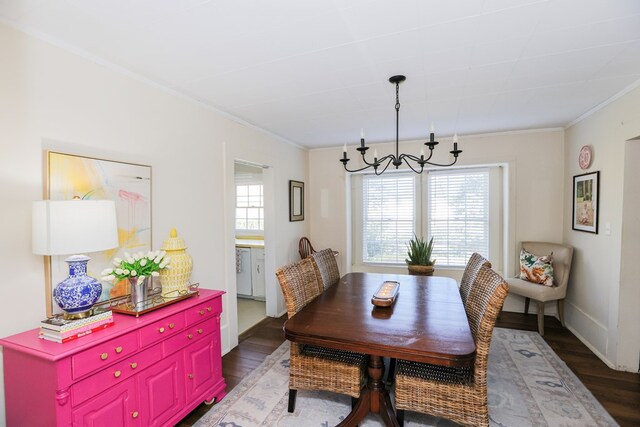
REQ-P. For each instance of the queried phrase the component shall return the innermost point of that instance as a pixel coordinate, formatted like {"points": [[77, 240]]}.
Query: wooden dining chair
{"points": [[470, 272], [326, 266], [313, 367], [304, 248], [457, 394]]}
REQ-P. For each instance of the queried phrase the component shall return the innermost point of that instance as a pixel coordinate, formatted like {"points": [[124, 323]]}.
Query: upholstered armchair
{"points": [[561, 261]]}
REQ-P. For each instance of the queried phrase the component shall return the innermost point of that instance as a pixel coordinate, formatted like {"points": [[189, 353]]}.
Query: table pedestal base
{"points": [[373, 398]]}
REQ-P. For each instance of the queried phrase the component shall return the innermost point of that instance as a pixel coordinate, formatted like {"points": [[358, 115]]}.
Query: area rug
{"points": [[528, 385]]}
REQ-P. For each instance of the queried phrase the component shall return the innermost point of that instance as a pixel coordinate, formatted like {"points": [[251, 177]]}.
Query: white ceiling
{"points": [[316, 71]]}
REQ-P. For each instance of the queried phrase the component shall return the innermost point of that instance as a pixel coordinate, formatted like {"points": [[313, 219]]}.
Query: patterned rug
{"points": [[528, 385]]}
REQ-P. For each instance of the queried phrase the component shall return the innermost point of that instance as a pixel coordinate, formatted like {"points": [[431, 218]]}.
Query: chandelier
{"points": [[415, 163]]}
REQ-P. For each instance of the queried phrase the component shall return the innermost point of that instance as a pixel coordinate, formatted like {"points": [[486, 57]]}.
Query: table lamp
{"points": [[65, 227]]}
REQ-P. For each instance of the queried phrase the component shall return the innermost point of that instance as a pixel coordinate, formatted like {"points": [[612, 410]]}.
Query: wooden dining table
{"points": [[426, 323]]}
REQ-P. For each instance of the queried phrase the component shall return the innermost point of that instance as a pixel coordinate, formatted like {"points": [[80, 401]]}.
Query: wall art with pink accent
{"points": [[128, 184]]}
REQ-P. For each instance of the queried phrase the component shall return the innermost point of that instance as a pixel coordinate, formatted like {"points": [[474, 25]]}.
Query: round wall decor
{"points": [[584, 159]]}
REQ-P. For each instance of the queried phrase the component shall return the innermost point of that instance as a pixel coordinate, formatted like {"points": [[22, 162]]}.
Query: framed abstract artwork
{"points": [[296, 201], [586, 194], [127, 184]]}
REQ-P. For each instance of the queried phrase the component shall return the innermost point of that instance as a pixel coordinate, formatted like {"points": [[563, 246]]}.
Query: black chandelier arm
{"points": [[390, 160], [420, 162], [455, 159], [355, 170]]}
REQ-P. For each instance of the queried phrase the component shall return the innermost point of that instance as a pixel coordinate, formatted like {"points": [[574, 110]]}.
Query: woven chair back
{"points": [[326, 267], [304, 248], [487, 295], [470, 272], [299, 283]]}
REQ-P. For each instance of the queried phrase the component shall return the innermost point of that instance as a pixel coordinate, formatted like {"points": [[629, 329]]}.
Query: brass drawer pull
{"points": [[134, 365], [201, 312], [190, 336], [171, 326], [104, 356], [134, 414], [119, 349], [209, 309], [161, 330], [117, 374], [190, 376], [199, 331]]}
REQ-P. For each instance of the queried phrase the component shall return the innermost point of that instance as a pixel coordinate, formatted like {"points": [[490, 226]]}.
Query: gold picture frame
{"points": [[127, 184]]}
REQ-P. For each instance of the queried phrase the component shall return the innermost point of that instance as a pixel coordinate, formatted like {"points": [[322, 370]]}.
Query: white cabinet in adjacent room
{"points": [[257, 273], [243, 272], [250, 280]]}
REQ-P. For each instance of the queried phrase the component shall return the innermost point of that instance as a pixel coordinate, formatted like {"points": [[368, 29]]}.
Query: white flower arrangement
{"points": [[137, 265]]}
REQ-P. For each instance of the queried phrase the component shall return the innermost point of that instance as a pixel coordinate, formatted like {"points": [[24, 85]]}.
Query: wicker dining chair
{"points": [[313, 367], [305, 249], [326, 267], [457, 394], [470, 272]]}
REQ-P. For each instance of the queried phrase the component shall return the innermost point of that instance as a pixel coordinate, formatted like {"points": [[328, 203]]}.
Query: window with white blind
{"points": [[458, 214], [388, 212], [452, 205], [249, 207]]}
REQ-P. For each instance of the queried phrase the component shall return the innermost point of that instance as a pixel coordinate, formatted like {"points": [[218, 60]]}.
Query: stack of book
{"points": [[61, 330]]}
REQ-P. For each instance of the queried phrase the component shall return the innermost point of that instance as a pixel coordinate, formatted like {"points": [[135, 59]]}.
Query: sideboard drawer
{"points": [[103, 355], [161, 329], [114, 374], [190, 335], [204, 311]]}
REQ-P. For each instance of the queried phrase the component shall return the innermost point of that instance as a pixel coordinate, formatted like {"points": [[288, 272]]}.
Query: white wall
{"points": [[598, 308], [535, 163], [52, 99]]}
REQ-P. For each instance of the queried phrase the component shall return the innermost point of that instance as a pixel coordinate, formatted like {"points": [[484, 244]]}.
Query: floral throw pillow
{"points": [[536, 269]]}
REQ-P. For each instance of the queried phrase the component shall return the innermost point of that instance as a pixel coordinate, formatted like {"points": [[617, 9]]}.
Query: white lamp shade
{"points": [[65, 227]]}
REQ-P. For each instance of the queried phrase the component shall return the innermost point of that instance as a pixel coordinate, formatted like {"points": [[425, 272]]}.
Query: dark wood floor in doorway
{"points": [[619, 392]]}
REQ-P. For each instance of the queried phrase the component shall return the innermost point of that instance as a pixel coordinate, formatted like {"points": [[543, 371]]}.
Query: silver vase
{"points": [[139, 290]]}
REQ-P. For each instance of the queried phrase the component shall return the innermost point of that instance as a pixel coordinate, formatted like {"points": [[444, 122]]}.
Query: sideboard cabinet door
{"points": [[161, 391], [115, 407], [201, 367]]}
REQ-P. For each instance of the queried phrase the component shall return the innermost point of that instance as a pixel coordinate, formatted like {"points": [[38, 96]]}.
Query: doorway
{"points": [[250, 248]]}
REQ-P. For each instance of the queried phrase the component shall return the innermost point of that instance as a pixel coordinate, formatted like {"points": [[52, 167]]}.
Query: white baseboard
{"points": [[590, 347], [588, 330]]}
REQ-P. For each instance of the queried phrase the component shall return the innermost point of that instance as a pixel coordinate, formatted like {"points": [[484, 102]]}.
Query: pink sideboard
{"points": [[146, 371]]}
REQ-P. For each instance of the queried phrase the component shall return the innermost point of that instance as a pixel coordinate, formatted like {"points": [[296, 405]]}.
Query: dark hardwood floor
{"points": [[618, 392]]}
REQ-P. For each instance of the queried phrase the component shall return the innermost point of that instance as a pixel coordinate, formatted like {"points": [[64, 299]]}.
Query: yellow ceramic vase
{"points": [[175, 280]]}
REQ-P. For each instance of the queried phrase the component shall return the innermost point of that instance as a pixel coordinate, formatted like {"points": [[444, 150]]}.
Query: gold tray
{"points": [[154, 301]]}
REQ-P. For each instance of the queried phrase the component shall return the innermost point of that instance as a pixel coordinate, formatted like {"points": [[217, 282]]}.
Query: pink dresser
{"points": [[146, 371]]}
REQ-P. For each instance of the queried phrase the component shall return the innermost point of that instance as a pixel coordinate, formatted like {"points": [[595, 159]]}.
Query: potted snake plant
{"points": [[419, 260]]}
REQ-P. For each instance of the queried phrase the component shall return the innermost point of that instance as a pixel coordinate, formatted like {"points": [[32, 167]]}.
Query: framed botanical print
{"points": [[127, 184], [586, 193], [296, 201]]}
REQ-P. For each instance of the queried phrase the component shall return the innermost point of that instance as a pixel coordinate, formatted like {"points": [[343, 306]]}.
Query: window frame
{"points": [[249, 206]]}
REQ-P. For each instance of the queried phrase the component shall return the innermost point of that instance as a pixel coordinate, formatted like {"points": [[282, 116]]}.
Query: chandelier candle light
{"points": [[415, 163]]}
